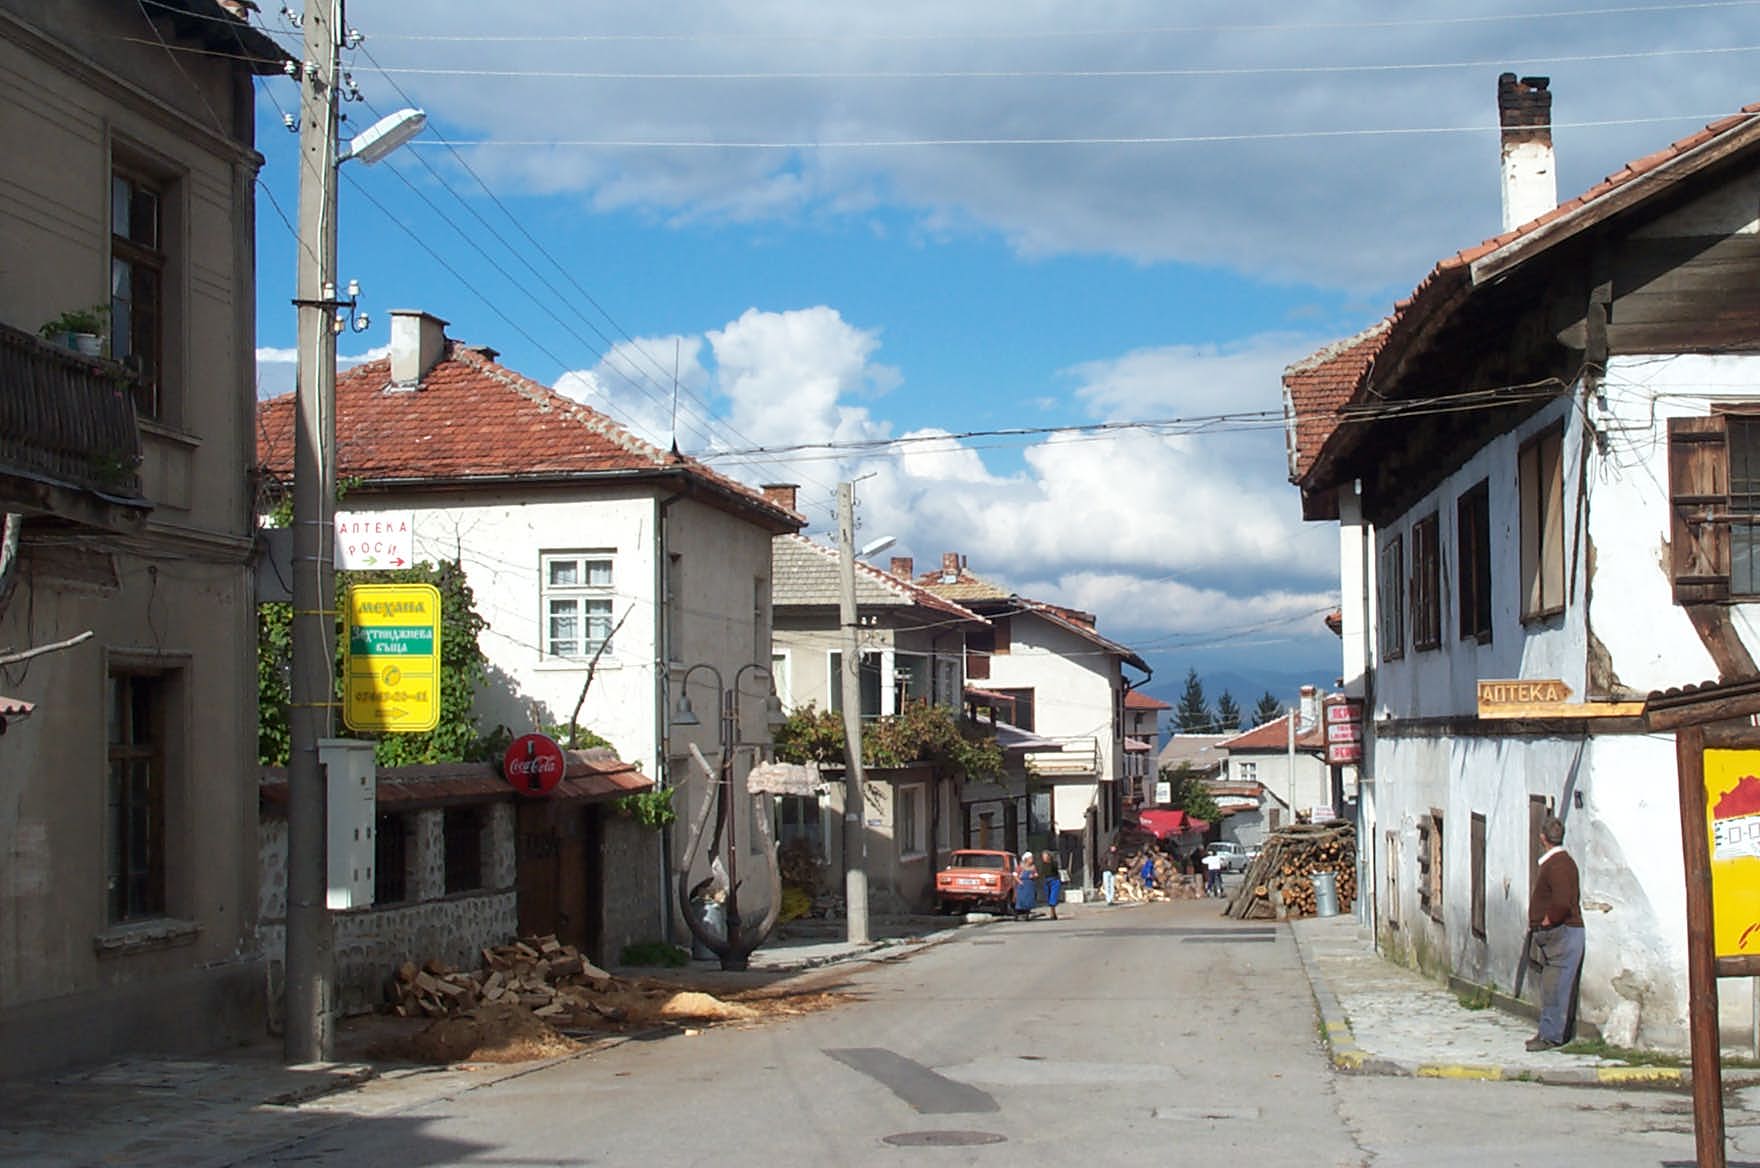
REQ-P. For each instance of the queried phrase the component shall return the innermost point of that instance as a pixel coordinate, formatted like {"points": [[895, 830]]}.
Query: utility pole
{"points": [[855, 835], [1293, 714], [310, 958]]}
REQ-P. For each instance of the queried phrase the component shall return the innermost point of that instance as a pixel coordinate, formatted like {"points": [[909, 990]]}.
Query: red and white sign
{"points": [[374, 541], [1344, 730], [533, 764]]}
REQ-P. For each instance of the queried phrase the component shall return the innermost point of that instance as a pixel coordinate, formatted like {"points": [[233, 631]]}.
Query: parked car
{"points": [[1239, 858], [976, 878]]}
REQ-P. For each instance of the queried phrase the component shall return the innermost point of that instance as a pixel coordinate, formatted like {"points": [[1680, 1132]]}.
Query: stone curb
{"points": [[1347, 1055]]}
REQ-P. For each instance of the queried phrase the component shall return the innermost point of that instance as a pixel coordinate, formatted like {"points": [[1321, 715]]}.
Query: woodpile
{"points": [[1279, 884], [550, 979], [1167, 883]]}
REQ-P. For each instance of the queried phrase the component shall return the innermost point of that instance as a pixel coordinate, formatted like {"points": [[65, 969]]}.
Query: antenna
{"points": [[675, 346]]}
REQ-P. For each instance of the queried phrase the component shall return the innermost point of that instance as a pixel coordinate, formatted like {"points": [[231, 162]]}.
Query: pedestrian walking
{"points": [[1051, 876], [1214, 862], [1026, 892], [1109, 877], [1555, 915]]}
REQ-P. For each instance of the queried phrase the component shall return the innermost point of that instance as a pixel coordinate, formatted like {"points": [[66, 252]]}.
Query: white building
{"points": [[608, 570], [1499, 456]]}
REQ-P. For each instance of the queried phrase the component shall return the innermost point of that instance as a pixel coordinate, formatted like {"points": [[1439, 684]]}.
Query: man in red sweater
{"points": [[1555, 915]]}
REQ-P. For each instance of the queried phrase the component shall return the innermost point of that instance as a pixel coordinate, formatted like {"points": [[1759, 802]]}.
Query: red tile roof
{"points": [[473, 419], [1136, 699], [1274, 735], [586, 779], [1451, 280], [1318, 384], [813, 569]]}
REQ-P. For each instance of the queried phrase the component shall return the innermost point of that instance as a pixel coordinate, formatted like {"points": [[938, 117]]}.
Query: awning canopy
{"points": [[1136, 746], [1170, 824]]}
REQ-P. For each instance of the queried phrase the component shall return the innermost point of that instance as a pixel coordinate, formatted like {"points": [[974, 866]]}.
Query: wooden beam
{"points": [[1747, 966], [1707, 1056], [1562, 710]]}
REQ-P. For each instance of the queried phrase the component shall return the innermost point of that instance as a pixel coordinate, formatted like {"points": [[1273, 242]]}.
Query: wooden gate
{"points": [[558, 855]]}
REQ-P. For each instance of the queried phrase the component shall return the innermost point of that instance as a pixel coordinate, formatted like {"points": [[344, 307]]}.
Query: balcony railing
{"points": [[69, 445], [1079, 759]]}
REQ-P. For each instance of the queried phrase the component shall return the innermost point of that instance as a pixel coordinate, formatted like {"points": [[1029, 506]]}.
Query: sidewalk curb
{"points": [[1346, 1055]]}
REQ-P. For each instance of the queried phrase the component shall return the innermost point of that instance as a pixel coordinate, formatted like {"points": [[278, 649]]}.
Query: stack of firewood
{"points": [[547, 977], [1279, 884], [1167, 882]]}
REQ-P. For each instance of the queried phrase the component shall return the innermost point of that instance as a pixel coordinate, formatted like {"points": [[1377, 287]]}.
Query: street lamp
{"points": [[309, 957], [734, 950]]}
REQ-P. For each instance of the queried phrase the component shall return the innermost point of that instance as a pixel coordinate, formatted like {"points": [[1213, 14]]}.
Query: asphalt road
{"points": [[1160, 1034]]}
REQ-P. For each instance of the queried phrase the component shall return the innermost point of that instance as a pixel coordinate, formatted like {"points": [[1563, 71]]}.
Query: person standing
{"points": [[1026, 891], [1109, 877], [1052, 877], [1555, 915], [1213, 865]]}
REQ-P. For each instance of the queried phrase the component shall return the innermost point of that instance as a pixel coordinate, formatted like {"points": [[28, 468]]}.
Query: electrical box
{"points": [[350, 783]]}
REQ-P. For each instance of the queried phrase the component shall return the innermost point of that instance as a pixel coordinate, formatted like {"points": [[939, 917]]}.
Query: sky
{"points": [[1027, 273]]}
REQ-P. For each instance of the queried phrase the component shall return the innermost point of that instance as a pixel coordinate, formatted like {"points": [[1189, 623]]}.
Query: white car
{"points": [[1239, 858]]}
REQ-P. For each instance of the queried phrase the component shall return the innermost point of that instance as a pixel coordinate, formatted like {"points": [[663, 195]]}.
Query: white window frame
{"points": [[908, 811], [593, 596], [1249, 771]]}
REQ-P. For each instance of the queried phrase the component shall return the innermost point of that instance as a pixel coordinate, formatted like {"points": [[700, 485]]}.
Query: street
{"points": [[1151, 1035]]}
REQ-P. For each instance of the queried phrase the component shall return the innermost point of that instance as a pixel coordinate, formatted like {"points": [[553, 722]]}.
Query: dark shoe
{"points": [[1538, 1043]]}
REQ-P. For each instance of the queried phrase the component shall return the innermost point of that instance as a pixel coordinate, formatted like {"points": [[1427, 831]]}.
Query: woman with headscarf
{"points": [[1026, 893]]}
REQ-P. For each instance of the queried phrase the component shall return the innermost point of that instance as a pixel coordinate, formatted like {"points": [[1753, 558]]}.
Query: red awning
{"points": [[1170, 824]]}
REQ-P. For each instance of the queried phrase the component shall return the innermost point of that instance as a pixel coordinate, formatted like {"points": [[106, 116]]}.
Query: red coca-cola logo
{"points": [[533, 764]]}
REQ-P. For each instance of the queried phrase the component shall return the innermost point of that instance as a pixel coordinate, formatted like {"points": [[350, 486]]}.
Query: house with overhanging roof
{"points": [[1542, 465], [616, 578], [1056, 676], [913, 649], [1142, 738]]}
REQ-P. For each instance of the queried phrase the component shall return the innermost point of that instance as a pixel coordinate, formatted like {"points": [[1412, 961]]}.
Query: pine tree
{"points": [[1194, 712], [1228, 714], [1269, 709]]}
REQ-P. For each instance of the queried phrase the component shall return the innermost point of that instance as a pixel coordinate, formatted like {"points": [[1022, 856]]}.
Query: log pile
{"points": [[1279, 884], [549, 978], [1167, 883]]}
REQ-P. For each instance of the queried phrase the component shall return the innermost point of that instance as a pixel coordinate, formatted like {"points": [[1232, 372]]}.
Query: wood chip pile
{"points": [[550, 979], [1169, 882], [1279, 884]]}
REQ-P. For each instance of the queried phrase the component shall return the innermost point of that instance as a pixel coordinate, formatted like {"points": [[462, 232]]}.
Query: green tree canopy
{"points": [[1190, 793], [1193, 711], [1269, 709], [1228, 714], [921, 732]]}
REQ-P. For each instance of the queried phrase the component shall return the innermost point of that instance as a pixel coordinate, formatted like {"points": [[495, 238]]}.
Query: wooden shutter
{"points": [[1698, 495], [1001, 623]]}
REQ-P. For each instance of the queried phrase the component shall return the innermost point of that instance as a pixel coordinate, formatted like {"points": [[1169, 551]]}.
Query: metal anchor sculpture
{"points": [[736, 947]]}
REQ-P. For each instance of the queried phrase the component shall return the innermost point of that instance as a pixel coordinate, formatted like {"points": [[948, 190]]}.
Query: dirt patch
{"points": [[493, 1033]]}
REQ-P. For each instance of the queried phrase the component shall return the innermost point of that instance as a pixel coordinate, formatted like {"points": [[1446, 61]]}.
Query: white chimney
{"points": [[418, 341], [1530, 180], [1308, 716]]}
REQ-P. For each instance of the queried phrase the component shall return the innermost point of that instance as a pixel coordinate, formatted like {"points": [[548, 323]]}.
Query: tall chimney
{"points": [[902, 567], [1530, 180], [950, 563], [1308, 716], [781, 494], [418, 341]]}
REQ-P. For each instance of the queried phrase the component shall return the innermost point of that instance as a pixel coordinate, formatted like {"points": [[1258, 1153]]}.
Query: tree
{"points": [[1190, 793], [1228, 714], [1194, 712], [1269, 709], [920, 732]]}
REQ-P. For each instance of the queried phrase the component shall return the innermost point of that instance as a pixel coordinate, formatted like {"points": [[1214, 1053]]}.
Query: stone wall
{"points": [[631, 887]]}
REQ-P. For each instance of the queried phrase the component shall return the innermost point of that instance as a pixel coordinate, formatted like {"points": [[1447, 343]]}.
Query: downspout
{"points": [[662, 685]]}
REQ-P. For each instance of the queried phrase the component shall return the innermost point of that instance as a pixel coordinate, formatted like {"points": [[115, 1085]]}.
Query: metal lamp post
{"points": [[734, 951]]}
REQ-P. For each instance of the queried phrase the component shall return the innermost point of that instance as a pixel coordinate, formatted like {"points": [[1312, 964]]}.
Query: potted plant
{"points": [[79, 329]]}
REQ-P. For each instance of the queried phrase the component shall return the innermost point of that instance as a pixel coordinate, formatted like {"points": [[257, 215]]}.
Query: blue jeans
{"points": [[1561, 957]]}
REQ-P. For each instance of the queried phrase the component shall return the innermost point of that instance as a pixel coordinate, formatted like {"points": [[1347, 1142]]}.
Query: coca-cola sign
{"points": [[533, 764]]}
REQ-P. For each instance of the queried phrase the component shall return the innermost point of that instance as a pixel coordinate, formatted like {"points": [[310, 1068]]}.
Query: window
{"points": [[797, 818], [1390, 599], [1426, 585], [1478, 861], [910, 679], [390, 860], [1249, 771], [1473, 563], [910, 820], [135, 843], [1393, 909], [782, 679], [869, 679], [980, 644], [1018, 710], [947, 687], [1714, 492], [1430, 865], [137, 286], [577, 602], [463, 832], [1540, 469]]}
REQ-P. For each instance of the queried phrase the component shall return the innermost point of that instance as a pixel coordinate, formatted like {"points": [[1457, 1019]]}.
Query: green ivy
{"points": [[920, 733]]}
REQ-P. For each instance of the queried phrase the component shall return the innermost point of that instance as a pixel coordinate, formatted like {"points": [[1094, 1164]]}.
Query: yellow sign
{"points": [[1545, 697], [1732, 819], [391, 670]]}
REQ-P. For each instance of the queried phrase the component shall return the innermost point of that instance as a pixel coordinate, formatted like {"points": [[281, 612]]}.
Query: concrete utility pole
{"points": [[855, 836], [310, 959]]}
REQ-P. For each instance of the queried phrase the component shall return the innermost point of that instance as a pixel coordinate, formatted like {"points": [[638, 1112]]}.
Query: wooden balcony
{"points": [[1079, 759], [69, 445]]}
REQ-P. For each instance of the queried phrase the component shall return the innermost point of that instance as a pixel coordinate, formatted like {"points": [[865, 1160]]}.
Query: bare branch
{"points": [[593, 667], [39, 650]]}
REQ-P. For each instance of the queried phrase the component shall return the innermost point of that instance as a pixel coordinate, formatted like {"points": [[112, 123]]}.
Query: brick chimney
{"points": [[781, 494], [902, 567], [1530, 178], [951, 562], [418, 341]]}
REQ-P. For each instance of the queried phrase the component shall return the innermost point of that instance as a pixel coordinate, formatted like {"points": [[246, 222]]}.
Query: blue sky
{"points": [[854, 224]]}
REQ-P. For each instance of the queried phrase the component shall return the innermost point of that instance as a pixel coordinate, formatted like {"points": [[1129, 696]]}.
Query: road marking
{"points": [[929, 1092]]}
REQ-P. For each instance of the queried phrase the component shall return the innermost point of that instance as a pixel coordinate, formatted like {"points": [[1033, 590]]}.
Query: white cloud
{"points": [[277, 369]]}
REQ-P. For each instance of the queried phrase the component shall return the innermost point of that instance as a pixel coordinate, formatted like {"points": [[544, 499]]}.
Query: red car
{"points": [[977, 879]]}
